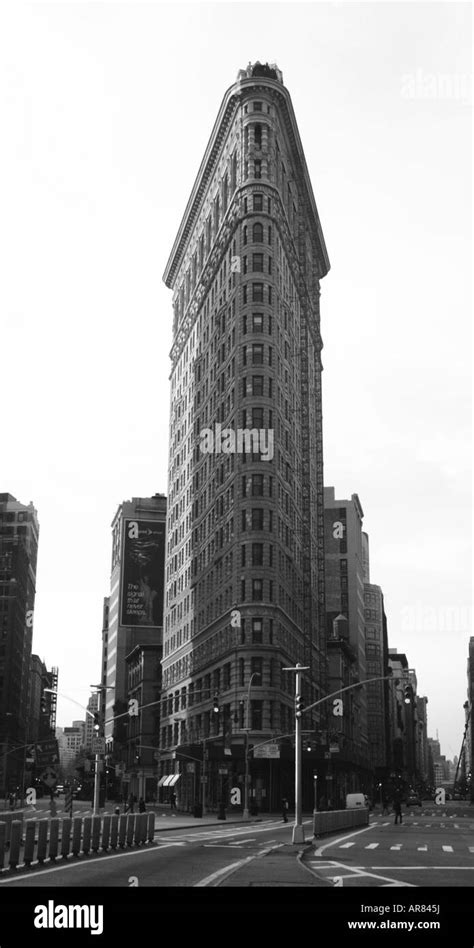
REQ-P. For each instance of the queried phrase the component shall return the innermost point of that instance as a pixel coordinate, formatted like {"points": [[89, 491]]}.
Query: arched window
{"points": [[244, 234], [257, 233], [258, 136]]}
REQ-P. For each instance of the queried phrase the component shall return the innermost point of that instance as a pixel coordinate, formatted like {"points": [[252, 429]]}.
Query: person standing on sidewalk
{"points": [[397, 809], [284, 809]]}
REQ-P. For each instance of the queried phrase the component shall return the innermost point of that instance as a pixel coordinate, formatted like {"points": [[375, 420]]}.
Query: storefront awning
{"points": [[170, 780], [162, 780]]}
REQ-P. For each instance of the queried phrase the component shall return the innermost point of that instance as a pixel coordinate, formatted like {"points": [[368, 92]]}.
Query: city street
{"points": [[202, 856], [432, 847]]}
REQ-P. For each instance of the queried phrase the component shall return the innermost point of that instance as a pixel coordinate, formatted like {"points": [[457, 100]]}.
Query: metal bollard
{"points": [[106, 834], [42, 840], [53, 838], [3, 839], [66, 837], [143, 826], [114, 822], [76, 835], [122, 830], [130, 828], [29, 842], [151, 827], [96, 824], [86, 835], [15, 840]]}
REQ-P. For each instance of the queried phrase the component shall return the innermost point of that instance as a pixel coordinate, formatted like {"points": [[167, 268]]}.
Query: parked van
{"points": [[356, 800]]}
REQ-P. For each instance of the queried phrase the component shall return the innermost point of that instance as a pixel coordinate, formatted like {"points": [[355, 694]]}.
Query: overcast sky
{"points": [[105, 111]]}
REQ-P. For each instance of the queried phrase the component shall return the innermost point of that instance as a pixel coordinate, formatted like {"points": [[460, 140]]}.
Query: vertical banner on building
{"points": [[143, 573]]}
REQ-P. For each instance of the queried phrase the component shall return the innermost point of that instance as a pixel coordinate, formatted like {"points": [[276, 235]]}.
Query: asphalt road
{"points": [[202, 857], [430, 848]]}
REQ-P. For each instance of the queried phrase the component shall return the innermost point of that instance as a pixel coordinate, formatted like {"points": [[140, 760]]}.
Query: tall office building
{"points": [[19, 531], [469, 711], [135, 604], [346, 550], [93, 708], [245, 536], [41, 703]]}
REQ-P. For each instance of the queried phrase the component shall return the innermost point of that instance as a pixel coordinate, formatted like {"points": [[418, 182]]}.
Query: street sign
{"points": [[223, 770], [267, 750], [98, 745], [47, 753], [334, 748], [49, 777]]}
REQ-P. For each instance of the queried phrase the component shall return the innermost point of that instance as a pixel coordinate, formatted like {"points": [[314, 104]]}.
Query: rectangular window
{"points": [[257, 292], [257, 554], [257, 354], [257, 417], [257, 263], [257, 479], [257, 631], [257, 385], [258, 202], [256, 668], [257, 590], [256, 715], [257, 173], [257, 322], [257, 518], [257, 107]]}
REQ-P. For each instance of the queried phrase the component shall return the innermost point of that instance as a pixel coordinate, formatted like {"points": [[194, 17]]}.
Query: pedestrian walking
{"points": [[397, 809], [141, 805], [284, 809], [173, 801]]}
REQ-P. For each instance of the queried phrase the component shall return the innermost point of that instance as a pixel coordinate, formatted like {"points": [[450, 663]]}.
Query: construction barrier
{"points": [[330, 821], [39, 840], [7, 817]]}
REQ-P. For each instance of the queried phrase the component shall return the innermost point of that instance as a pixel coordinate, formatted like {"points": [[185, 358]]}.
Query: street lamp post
{"points": [[246, 814]]}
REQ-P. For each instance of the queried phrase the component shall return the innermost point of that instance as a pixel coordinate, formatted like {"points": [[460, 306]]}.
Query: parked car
{"points": [[413, 799]]}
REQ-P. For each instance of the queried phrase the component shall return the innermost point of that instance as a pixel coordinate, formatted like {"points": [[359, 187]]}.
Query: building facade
{"points": [[133, 619], [345, 561], [245, 549], [19, 533]]}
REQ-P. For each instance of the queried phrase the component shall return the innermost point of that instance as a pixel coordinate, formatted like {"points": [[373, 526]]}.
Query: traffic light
{"points": [[216, 704], [137, 754], [299, 706], [96, 722], [408, 694], [43, 705], [309, 746]]}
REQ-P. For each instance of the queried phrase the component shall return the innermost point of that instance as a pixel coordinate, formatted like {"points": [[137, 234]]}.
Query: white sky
{"points": [[105, 112]]}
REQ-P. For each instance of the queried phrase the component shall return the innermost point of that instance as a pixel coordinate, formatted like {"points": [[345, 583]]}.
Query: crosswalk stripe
{"points": [[422, 849], [372, 846], [398, 846], [346, 845], [471, 849], [448, 849]]}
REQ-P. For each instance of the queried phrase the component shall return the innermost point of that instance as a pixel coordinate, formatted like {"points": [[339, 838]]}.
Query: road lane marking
{"points": [[371, 846], [320, 849], [448, 849], [398, 846], [346, 845], [219, 876], [356, 872], [471, 849], [85, 861], [422, 849]]}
